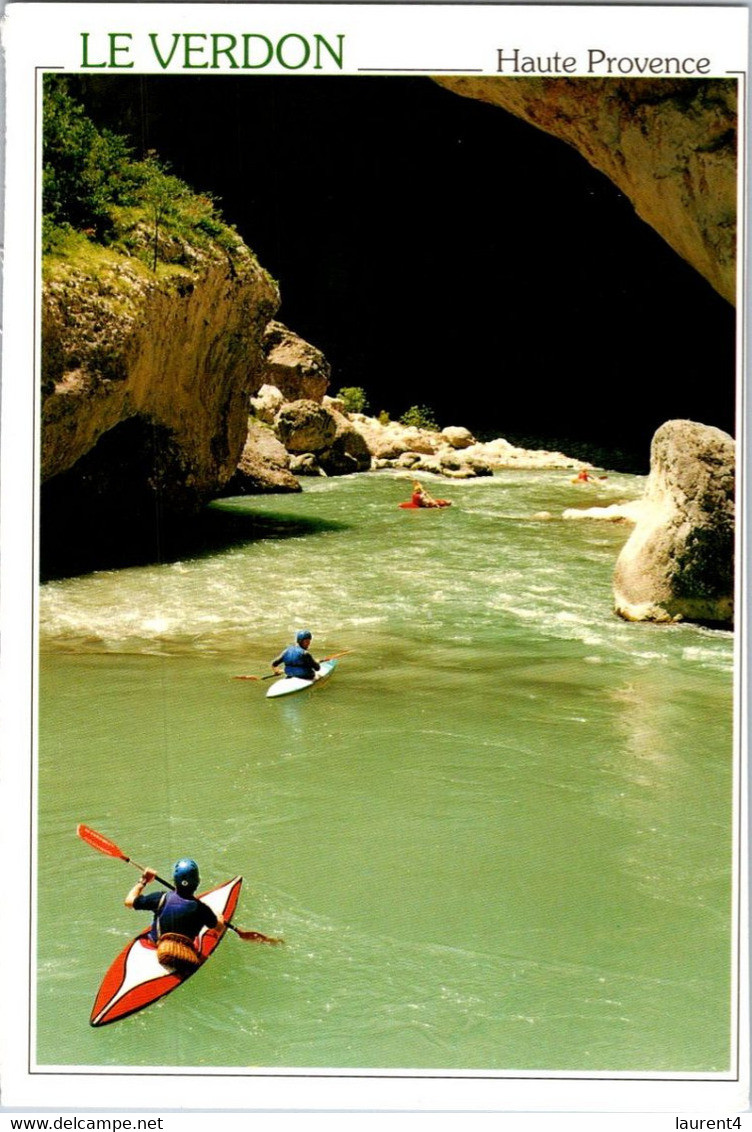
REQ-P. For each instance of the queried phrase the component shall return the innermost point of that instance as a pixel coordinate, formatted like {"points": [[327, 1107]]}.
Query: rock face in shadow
{"points": [[669, 145], [678, 563]]}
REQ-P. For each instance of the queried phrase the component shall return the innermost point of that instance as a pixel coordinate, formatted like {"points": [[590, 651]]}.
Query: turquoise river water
{"points": [[498, 839]]}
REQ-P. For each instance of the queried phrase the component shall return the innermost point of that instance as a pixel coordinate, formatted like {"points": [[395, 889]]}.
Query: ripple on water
{"points": [[476, 846]]}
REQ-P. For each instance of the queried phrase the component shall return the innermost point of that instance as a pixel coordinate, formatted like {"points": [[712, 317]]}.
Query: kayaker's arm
{"points": [[146, 877]]}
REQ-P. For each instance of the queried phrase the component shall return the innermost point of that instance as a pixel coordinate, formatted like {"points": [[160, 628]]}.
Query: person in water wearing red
{"points": [[584, 476], [297, 659], [178, 916], [421, 498]]}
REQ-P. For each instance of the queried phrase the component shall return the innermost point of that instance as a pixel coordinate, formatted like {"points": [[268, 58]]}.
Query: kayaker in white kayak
{"points": [[297, 659], [178, 916]]}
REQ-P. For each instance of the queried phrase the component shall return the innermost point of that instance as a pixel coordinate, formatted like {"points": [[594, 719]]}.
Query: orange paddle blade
{"points": [[99, 842], [254, 937]]}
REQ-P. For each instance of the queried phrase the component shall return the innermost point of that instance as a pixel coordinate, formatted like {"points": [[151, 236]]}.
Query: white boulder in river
{"points": [[678, 564]]}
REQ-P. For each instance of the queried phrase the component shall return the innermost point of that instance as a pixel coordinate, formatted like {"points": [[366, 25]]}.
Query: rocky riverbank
{"points": [[304, 436]]}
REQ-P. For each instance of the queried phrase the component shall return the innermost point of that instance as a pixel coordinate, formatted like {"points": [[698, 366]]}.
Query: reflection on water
{"points": [[666, 771], [498, 838]]}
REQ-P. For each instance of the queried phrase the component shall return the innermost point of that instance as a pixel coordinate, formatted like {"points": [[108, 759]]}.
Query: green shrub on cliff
{"points": [[354, 399], [92, 184], [419, 416]]}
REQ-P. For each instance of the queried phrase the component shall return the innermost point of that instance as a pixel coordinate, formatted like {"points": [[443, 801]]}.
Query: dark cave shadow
{"points": [[214, 530]]}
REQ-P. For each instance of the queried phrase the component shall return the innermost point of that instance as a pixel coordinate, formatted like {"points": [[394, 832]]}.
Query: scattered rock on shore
{"points": [[454, 452], [322, 439]]}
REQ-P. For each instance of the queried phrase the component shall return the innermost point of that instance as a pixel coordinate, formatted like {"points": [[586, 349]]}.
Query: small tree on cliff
{"points": [[419, 416], [162, 194]]}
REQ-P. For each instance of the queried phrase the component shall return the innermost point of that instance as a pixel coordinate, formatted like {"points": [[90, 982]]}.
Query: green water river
{"points": [[499, 838]]}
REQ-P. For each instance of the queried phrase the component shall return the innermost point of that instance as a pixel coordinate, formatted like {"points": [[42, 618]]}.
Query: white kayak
{"points": [[286, 685]]}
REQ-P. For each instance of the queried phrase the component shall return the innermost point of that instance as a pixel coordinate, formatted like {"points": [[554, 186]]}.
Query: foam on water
{"points": [[482, 560]]}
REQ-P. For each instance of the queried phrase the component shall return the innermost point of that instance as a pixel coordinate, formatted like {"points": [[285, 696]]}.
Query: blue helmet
{"points": [[303, 635], [185, 875]]}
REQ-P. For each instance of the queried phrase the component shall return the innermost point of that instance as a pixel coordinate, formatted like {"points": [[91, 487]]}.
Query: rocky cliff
{"points": [[146, 381], [669, 145], [180, 352]]}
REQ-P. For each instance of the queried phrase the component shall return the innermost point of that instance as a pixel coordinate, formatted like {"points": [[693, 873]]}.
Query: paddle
{"points": [[103, 845], [332, 656]]}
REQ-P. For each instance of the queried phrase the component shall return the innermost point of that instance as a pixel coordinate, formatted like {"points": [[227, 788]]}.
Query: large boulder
{"points": [[294, 366], [349, 451], [145, 387], [458, 437], [305, 426], [384, 441], [266, 403], [424, 441], [264, 465], [678, 563]]}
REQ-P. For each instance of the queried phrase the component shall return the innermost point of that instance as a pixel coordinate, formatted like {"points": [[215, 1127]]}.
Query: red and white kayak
{"points": [[137, 978]]}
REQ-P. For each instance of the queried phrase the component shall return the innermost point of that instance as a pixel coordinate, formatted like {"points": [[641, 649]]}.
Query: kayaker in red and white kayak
{"points": [[178, 916]]}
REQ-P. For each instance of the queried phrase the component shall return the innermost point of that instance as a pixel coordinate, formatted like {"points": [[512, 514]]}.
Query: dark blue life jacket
{"points": [[173, 913], [298, 662]]}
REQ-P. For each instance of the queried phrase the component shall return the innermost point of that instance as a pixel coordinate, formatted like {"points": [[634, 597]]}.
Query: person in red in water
{"points": [[421, 498], [584, 476]]}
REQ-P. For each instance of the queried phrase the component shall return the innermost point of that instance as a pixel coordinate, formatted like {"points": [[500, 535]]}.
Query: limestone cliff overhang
{"points": [[669, 145]]}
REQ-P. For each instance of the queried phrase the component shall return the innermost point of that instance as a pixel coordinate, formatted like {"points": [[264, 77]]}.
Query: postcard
{"points": [[373, 620]]}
